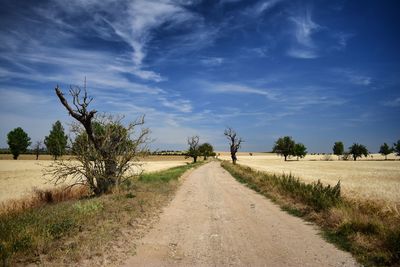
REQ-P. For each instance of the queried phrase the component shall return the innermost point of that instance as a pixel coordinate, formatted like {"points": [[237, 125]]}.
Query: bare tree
{"points": [[104, 148], [38, 147], [234, 142], [193, 151]]}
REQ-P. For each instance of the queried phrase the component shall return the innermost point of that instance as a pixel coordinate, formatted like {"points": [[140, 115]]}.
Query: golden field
{"points": [[368, 178], [19, 177]]}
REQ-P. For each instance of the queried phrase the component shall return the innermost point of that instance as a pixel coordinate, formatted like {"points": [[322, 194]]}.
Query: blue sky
{"points": [[319, 71]]}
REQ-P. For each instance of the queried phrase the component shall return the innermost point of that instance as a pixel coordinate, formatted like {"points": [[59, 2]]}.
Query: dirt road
{"points": [[216, 221]]}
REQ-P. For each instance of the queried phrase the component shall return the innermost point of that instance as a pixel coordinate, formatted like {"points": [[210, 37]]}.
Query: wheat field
{"points": [[368, 178], [20, 177]]}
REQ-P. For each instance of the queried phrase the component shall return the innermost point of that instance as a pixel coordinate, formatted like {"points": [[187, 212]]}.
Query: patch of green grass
{"points": [[167, 175], [365, 228]]}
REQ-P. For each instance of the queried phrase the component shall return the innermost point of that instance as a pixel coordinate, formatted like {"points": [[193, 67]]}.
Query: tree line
{"points": [[56, 142]]}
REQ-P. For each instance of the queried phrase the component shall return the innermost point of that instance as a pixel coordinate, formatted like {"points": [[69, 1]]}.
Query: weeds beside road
{"points": [[366, 229]]}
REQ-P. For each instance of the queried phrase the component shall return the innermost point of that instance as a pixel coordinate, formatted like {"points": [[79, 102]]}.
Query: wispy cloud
{"points": [[342, 39], [354, 77], [261, 7], [392, 103], [181, 105], [303, 29], [232, 88], [212, 61], [302, 53]]}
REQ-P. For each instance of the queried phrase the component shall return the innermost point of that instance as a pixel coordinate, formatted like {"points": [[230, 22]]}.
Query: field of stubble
{"points": [[369, 178], [20, 177]]}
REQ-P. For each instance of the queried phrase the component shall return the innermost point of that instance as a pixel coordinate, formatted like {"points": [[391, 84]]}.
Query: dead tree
{"points": [[234, 142], [105, 149], [38, 147]]}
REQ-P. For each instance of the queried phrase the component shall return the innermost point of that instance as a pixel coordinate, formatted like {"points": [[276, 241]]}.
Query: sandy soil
{"points": [[372, 179], [215, 221], [19, 177]]}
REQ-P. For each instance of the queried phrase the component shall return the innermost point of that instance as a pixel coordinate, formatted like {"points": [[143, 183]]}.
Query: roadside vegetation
{"points": [[61, 226], [365, 228]]}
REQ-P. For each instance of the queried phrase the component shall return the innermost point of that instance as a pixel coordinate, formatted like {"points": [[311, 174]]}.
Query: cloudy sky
{"points": [[319, 71]]}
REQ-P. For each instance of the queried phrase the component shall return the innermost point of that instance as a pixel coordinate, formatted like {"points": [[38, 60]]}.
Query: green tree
{"points": [[358, 150], [193, 151], [284, 146], [206, 150], [385, 150], [338, 149], [56, 142], [396, 148], [18, 141], [299, 151]]}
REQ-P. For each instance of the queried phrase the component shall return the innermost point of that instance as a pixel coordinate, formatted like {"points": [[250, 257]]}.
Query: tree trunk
{"points": [[194, 159], [355, 158], [234, 158], [285, 157], [385, 157]]}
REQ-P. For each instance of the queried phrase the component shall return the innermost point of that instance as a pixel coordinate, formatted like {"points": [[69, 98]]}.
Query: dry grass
{"points": [[20, 177], [366, 179]]}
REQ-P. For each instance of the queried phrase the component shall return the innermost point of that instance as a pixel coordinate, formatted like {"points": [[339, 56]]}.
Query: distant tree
{"points": [[234, 142], [206, 150], [193, 151], [299, 151], [56, 142], [358, 150], [338, 149], [385, 150], [18, 141], [37, 148], [396, 148], [284, 146]]}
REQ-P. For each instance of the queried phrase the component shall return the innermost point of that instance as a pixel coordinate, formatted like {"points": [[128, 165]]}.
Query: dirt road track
{"points": [[216, 221]]}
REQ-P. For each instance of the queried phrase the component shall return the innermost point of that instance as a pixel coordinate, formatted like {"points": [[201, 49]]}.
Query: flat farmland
{"points": [[371, 178], [19, 177]]}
